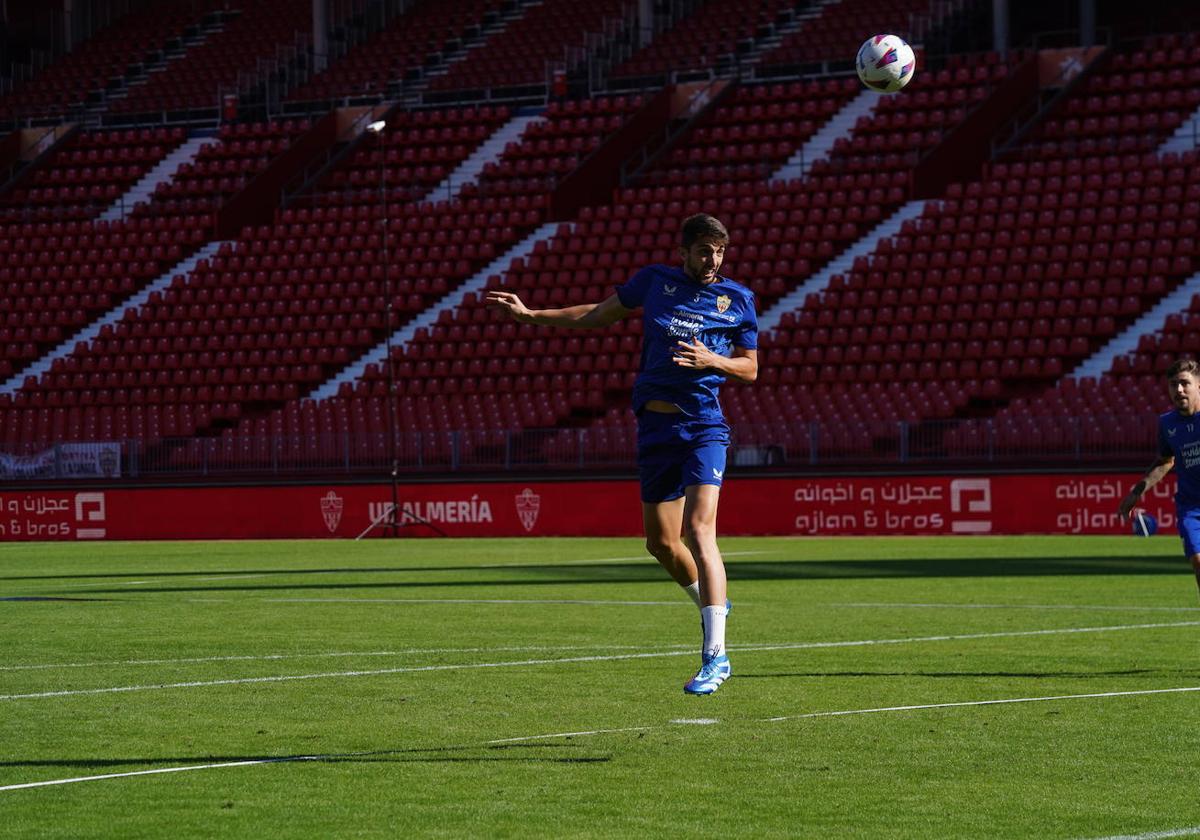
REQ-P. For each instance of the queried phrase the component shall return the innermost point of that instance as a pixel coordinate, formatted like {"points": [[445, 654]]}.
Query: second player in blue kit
{"points": [[1178, 449], [700, 329]]}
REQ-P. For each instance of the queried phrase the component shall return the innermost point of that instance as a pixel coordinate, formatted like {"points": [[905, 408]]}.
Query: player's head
{"points": [[1183, 383], [702, 247]]}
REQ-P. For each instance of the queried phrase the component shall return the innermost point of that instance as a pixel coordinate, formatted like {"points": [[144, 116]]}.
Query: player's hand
{"points": [[1128, 504], [694, 355], [510, 303]]}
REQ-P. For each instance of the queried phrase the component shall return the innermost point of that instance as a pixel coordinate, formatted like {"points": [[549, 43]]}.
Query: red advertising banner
{"points": [[1007, 504]]}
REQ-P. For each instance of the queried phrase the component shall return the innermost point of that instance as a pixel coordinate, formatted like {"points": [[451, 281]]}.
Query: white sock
{"points": [[693, 589], [714, 630]]}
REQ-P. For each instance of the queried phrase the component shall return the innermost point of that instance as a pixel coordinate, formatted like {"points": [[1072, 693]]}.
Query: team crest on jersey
{"points": [[723, 303]]}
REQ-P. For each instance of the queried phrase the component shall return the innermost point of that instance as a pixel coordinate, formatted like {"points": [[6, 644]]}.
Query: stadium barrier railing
{"points": [[1019, 442]]}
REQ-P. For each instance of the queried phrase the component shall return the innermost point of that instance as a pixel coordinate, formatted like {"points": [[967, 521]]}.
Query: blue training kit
{"points": [[677, 308], [676, 451], [1179, 436]]}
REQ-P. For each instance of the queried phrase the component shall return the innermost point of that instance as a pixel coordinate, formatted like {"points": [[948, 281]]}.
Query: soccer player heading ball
{"points": [[1178, 445], [700, 329]]}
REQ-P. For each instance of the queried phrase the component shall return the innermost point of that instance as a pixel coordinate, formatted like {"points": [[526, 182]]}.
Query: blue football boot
{"points": [[712, 673]]}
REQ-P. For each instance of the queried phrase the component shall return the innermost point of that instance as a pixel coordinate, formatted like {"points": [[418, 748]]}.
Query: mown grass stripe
{"points": [[578, 659]]}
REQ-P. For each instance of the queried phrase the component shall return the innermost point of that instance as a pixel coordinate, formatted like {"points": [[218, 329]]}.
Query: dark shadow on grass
{"points": [[429, 754], [813, 568], [649, 571], [544, 575], [478, 759], [52, 598]]}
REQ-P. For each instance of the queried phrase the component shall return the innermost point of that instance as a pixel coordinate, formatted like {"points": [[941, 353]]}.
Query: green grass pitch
{"points": [[515, 688]]}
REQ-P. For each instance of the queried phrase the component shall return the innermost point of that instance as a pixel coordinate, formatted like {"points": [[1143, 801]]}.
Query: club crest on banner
{"points": [[331, 509], [528, 505], [723, 303]]}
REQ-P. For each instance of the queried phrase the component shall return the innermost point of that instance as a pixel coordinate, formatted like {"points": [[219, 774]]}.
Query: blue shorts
{"points": [[676, 451], [1188, 520]]}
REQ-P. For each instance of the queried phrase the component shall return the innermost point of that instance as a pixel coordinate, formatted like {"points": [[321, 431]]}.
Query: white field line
{"points": [[1182, 832], [564, 735], [573, 602], [343, 674], [105, 583], [237, 577], [1113, 607], [1157, 835], [578, 659], [158, 770], [348, 653], [153, 580], [1005, 701], [841, 712]]}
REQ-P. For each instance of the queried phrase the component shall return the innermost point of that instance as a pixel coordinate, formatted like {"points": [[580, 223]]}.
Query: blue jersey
{"points": [[677, 308], [1179, 436]]}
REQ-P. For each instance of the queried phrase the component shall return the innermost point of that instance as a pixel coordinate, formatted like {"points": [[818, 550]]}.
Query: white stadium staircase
{"points": [[488, 152], [841, 264], [36, 369], [162, 173], [378, 354]]}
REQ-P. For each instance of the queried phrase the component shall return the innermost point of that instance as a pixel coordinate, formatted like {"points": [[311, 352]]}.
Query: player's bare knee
{"points": [[660, 549], [699, 531]]}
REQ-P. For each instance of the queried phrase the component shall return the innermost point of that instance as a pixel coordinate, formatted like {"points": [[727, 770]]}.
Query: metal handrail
{"points": [[1002, 442]]}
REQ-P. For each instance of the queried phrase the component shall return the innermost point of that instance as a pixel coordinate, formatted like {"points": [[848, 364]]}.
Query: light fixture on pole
{"points": [[391, 517], [391, 520]]}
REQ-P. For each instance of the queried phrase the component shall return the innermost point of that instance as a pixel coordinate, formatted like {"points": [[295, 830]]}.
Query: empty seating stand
{"points": [[400, 50], [222, 62], [90, 171], [976, 311], [138, 36], [525, 52]]}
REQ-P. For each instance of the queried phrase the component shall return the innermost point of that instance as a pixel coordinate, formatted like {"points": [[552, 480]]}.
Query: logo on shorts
{"points": [[669, 290], [528, 505], [331, 509], [723, 303], [717, 473]]}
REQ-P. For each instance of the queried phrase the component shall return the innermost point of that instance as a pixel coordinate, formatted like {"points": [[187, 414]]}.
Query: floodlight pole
{"points": [[393, 423], [391, 517]]}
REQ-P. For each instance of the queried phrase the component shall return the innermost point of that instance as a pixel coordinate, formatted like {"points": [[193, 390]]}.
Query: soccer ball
{"points": [[885, 63], [1144, 525]]}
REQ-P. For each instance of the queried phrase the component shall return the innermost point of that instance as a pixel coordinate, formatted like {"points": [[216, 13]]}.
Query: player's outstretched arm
{"points": [[585, 315], [1155, 474]]}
